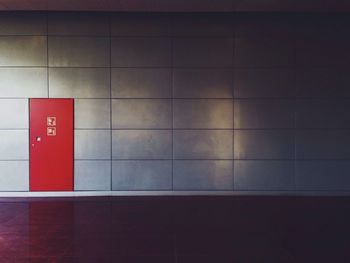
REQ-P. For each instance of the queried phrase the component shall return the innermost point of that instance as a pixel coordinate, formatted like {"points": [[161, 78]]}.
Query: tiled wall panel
{"points": [[203, 52], [203, 144], [264, 52], [263, 113], [142, 175], [323, 113], [14, 175], [203, 114], [18, 109], [23, 82], [203, 83], [23, 23], [266, 175], [322, 82], [79, 51], [141, 52], [92, 175], [322, 144], [322, 175], [263, 144], [23, 51], [150, 25], [92, 144], [141, 144], [79, 83], [14, 145], [141, 114], [78, 24], [141, 83], [203, 175], [92, 114], [264, 83]]}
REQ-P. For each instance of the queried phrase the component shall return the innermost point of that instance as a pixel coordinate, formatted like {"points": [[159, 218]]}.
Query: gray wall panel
{"points": [[141, 52], [87, 24], [142, 144], [203, 52], [14, 175], [141, 24], [92, 144], [142, 175], [13, 113], [92, 175], [92, 113], [202, 144], [263, 144], [321, 51], [323, 82], [14, 145], [323, 175], [202, 113], [23, 51], [23, 23], [264, 83], [141, 83], [141, 113], [79, 51], [322, 144], [79, 82], [318, 26], [263, 113], [323, 113], [203, 83], [203, 175], [264, 52], [263, 25], [264, 175], [23, 82], [202, 25]]}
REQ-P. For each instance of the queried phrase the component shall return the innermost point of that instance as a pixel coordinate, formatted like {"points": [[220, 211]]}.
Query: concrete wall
{"points": [[183, 102]]}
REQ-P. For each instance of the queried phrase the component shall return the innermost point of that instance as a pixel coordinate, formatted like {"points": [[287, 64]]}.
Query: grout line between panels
{"points": [[110, 100], [47, 56], [172, 113]]}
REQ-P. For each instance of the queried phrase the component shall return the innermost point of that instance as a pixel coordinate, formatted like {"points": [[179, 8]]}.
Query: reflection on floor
{"points": [[175, 229]]}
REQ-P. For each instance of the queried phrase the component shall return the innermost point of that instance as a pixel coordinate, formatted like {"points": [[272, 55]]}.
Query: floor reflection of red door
{"points": [[51, 230], [51, 144]]}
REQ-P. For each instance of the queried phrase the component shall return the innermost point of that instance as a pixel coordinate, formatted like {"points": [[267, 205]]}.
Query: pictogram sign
{"points": [[51, 131], [51, 121]]}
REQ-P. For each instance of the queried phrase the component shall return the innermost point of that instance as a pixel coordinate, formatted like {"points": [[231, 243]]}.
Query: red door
{"points": [[51, 144]]}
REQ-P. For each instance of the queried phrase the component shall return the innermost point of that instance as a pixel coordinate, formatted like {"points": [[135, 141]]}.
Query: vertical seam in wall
{"points": [[110, 97], [47, 55], [294, 112], [29, 145], [233, 100], [172, 111]]}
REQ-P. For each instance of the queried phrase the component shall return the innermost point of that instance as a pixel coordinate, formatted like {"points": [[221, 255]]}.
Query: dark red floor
{"points": [[175, 229]]}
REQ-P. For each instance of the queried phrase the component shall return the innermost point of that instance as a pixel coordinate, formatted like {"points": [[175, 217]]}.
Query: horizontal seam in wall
{"points": [[204, 159], [196, 67], [196, 129], [14, 129], [189, 98], [169, 129], [174, 193]]}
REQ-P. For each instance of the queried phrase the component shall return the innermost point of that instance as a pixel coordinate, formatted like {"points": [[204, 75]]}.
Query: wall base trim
{"points": [[173, 193]]}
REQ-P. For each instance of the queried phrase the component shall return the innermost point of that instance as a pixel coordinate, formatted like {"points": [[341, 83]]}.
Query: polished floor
{"points": [[175, 230]]}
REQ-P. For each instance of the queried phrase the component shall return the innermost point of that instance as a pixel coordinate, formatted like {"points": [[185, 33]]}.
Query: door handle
{"points": [[37, 139]]}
